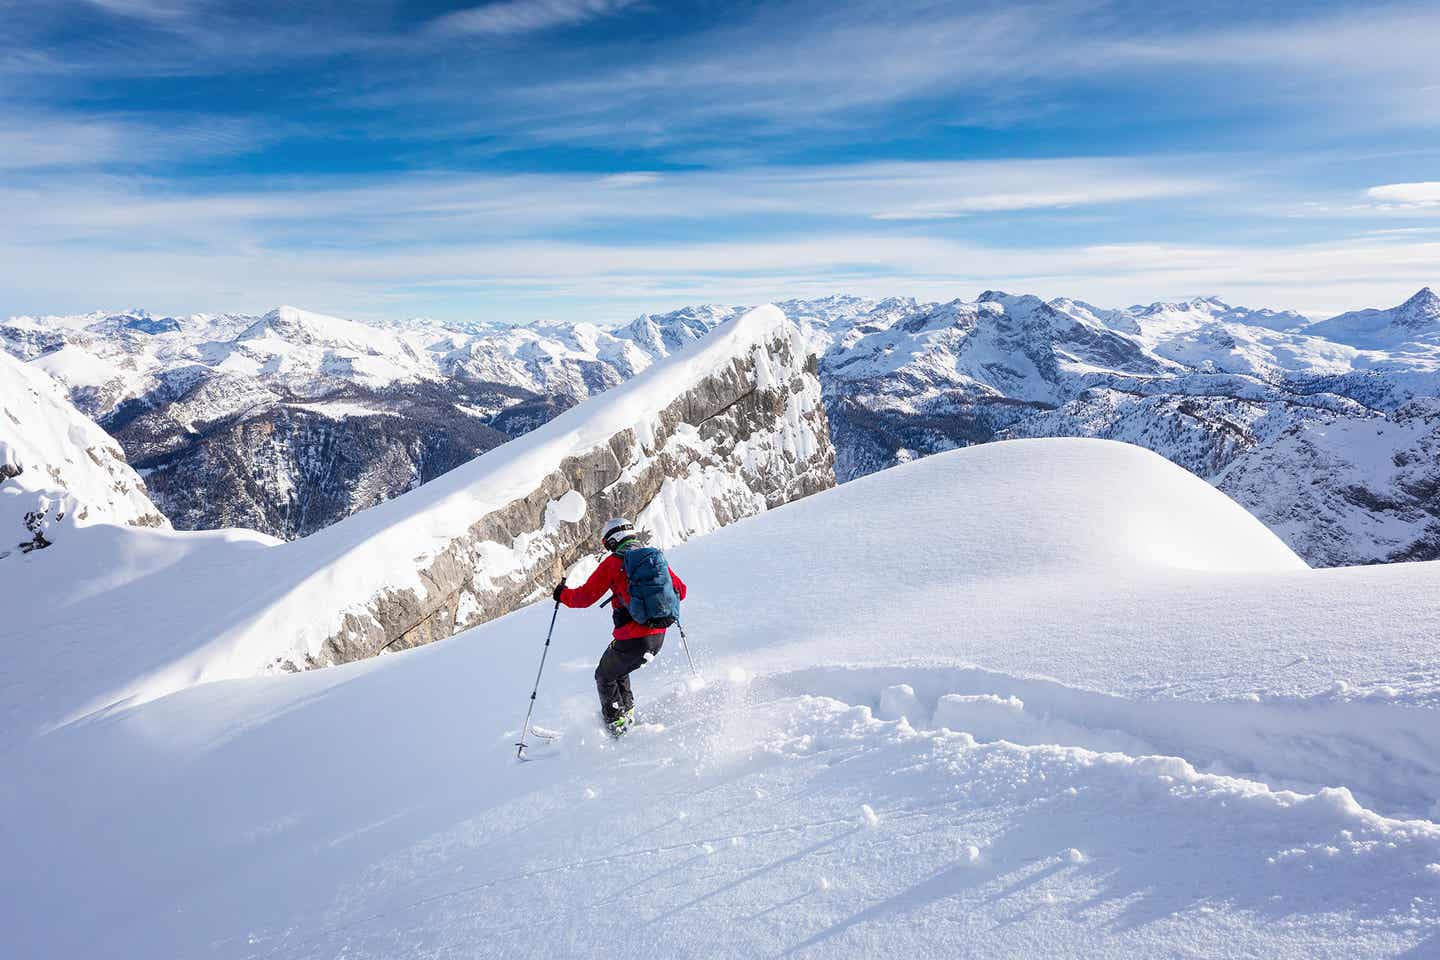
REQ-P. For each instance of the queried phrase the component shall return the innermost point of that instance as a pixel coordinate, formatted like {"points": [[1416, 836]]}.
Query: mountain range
{"points": [[1040, 697], [1328, 431]]}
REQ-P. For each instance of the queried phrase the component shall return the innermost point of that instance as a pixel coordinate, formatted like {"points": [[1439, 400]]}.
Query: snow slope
{"points": [[249, 607], [1134, 725], [58, 470]]}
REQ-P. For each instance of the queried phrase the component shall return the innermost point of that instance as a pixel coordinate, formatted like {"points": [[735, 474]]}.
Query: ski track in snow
{"points": [[822, 830], [810, 827]]}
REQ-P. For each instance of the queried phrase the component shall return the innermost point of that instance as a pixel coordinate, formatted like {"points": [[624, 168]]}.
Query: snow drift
{"points": [[1040, 698]]}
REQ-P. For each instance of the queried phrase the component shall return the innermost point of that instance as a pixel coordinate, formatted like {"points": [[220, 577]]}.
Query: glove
{"points": [[558, 587]]}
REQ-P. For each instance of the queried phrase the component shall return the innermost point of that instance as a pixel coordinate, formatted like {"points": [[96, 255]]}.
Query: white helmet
{"points": [[616, 532]]}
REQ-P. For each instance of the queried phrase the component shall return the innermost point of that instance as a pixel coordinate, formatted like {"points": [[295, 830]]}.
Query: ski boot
{"points": [[621, 725]]}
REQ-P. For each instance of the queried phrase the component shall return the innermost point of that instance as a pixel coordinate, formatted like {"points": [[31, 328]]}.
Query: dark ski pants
{"points": [[612, 676]]}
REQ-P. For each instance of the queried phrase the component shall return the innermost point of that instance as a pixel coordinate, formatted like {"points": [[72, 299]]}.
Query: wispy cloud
{"points": [[159, 10], [838, 59], [37, 141], [468, 245], [1361, 57], [524, 16], [997, 66], [522, 281], [1422, 194], [445, 206], [773, 72]]}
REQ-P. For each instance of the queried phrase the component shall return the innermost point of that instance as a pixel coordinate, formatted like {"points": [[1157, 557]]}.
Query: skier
{"points": [[645, 595]]}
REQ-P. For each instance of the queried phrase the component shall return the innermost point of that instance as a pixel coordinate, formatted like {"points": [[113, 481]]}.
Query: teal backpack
{"points": [[653, 600]]}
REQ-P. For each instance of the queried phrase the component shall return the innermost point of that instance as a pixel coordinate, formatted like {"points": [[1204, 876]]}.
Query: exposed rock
{"points": [[749, 435], [292, 468]]}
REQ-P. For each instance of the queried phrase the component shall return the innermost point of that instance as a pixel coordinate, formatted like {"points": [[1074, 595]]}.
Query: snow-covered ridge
{"points": [[729, 428], [725, 431], [58, 470], [1417, 320]]}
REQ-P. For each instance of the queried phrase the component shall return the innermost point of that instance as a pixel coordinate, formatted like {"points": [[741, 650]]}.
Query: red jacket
{"points": [[610, 577]]}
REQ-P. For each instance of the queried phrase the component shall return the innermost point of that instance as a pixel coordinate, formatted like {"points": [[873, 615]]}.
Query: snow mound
{"points": [[1068, 505]]}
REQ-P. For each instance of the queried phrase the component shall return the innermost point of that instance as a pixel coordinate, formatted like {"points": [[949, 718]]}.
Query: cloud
{"points": [[792, 67], [445, 207], [508, 17], [31, 141], [526, 279], [996, 67], [58, 142], [634, 179], [858, 79], [1038, 196], [158, 10], [1358, 58], [1422, 194], [785, 74]]}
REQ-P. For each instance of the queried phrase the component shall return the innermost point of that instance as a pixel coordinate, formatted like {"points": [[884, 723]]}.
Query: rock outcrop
{"points": [[743, 433]]}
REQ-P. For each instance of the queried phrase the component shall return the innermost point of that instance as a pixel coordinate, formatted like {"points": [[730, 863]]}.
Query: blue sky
{"points": [[528, 159]]}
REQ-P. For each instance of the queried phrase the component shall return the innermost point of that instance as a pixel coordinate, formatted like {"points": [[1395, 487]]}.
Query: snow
{"points": [[1417, 320], [57, 467], [377, 810], [278, 604], [339, 409], [76, 367]]}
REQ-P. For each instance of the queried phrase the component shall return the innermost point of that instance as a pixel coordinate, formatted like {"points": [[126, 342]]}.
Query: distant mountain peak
{"points": [[1420, 310], [1208, 304], [1415, 320]]}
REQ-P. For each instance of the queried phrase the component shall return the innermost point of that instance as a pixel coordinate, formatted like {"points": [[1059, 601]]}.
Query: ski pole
{"points": [[686, 645], [525, 730]]}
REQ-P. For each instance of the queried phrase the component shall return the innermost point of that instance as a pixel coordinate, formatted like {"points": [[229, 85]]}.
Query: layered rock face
{"points": [[57, 468], [743, 433]]}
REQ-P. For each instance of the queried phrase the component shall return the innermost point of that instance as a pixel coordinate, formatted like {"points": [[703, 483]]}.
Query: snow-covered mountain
{"points": [[1326, 431], [1416, 321], [1332, 445], [58, 470], [1050, 698], [290, 421], [729, 428]]}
